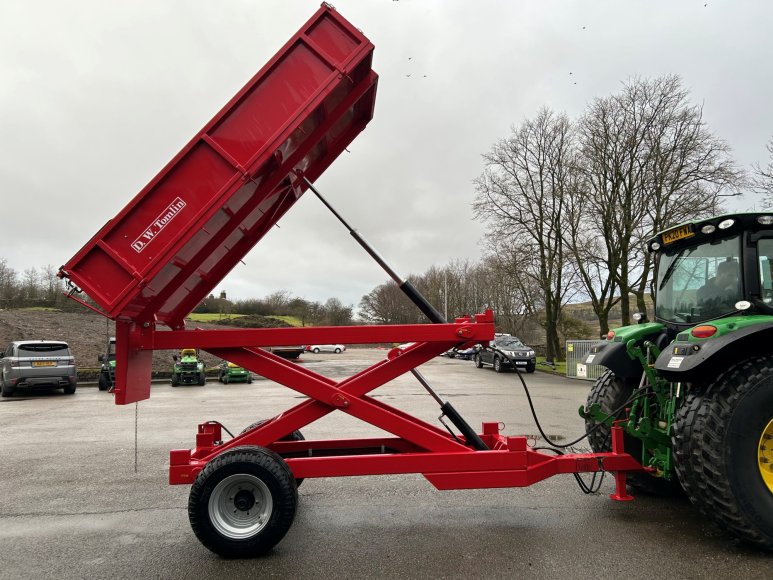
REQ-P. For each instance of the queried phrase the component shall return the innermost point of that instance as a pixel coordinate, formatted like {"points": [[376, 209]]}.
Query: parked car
{"points": [[37, 364], [336, 348], [522, 356], [467, 353], [231, 372]]}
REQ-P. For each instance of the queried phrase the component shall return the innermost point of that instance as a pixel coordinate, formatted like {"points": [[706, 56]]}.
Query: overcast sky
{"points": [[97, 96]]}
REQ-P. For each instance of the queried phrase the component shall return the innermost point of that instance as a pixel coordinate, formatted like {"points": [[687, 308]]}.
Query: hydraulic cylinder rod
{"points": [[408, 289], [426, 308]]}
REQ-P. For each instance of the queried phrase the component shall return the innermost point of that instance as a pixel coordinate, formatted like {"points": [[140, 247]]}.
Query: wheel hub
{"points": [[765, 456], [244, 500]]}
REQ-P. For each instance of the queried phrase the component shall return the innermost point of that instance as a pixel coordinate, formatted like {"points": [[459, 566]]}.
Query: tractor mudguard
{"points": [[684, 361], [614, 356]]}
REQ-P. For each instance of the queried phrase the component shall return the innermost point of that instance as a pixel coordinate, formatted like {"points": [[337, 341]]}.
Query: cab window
{"points": [[765, 253]]}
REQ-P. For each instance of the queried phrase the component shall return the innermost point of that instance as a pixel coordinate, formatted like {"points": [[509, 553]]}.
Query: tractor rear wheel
{"points": [[243, 502], [611, 392], [723, 440]]}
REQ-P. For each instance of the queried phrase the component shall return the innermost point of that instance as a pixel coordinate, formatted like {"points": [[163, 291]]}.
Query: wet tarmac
{"points": [[73, 506]]}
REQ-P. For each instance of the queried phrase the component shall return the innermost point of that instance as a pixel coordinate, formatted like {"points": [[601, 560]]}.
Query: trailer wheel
{"points": [[610, 392], [104, 382], [498, 365], [723, 441], [243, 502], [478, 361]]}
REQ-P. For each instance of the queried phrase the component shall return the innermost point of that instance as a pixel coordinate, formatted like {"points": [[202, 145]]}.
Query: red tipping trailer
{"points": [[180, 236]]}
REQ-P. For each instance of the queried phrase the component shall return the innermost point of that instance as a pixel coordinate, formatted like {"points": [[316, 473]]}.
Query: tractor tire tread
{"points": [[700, 448]]}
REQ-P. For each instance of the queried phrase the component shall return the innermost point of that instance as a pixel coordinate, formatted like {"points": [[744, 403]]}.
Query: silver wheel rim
{"points": [[240, 506]]}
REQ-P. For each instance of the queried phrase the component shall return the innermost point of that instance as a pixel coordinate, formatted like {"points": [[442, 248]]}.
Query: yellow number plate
{"points": [[677, 234], [44, 363]]}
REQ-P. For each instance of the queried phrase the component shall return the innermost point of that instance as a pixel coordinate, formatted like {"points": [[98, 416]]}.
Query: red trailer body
{"points": [[179, 237]]}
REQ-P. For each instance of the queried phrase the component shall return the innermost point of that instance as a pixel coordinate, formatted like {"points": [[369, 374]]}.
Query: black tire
{"points": [[249, 379], [315, 351], [104, 382], [202, 379], [478, 361], [531, 367], [220, 378], [294, 436], [722, 441], [225, 380], [610, 392], [243, 502], [338, 351], [498, 365], [70, 389], [175, 380], [5, 390]]}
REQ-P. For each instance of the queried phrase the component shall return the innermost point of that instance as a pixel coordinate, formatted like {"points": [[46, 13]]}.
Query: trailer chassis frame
{"points": [[445, 459]]}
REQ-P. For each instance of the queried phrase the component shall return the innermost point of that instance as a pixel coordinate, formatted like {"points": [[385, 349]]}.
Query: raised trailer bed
{"points": [[180, 236]]}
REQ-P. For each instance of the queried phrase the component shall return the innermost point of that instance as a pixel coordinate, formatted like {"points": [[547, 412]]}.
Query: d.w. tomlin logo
{"points": [[166, 216]]}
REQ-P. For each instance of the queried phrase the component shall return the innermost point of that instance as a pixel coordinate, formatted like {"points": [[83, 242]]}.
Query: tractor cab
{"points": [[713, 269]]}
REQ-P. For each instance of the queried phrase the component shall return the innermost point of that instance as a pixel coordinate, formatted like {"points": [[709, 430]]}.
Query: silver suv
{"points": [[37, 363]]}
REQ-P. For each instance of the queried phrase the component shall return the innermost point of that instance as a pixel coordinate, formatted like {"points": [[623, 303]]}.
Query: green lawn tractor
{"points": [[232, 373], [693, 390], [107, 370], [188, 368]]}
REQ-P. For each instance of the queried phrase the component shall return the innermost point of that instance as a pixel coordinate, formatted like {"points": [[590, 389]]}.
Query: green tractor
{"points": [[188, 368], [107, 369], [693, 390]]}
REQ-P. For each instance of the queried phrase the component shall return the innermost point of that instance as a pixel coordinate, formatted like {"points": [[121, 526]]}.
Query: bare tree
{"points": [[386, 304], [648, 161], [521, 195], [762, 178]]}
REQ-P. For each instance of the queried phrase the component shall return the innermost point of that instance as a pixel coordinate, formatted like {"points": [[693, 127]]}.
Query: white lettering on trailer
{"points": [[158, 224]]}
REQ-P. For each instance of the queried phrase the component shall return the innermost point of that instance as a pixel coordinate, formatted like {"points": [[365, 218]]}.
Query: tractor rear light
{"points": [[704, 331], [610, 335]]}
